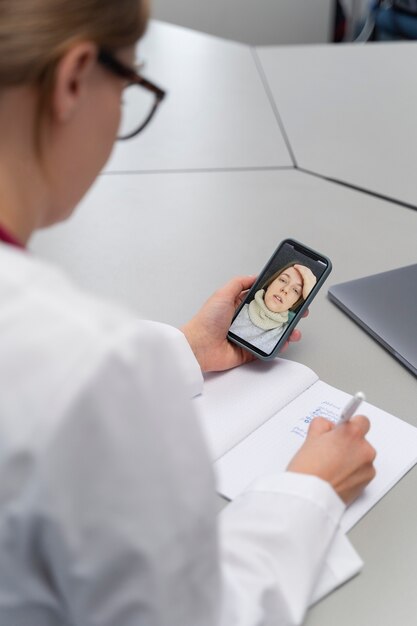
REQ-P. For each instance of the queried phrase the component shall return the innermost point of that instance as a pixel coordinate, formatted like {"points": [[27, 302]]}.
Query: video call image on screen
{"points": [[276, 298]]}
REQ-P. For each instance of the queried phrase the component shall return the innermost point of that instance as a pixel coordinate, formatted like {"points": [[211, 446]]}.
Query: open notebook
{"points": [[256, 417]]}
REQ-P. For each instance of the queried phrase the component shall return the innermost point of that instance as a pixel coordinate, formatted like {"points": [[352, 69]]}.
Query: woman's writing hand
{"points": [[207, 331], [340, 455]]}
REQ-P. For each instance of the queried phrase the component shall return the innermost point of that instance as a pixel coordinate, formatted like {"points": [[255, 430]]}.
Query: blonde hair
{"points": [[35, 34]]}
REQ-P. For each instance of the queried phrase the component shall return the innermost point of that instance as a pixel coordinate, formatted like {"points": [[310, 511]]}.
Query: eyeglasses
{"points": [[139, 105]]}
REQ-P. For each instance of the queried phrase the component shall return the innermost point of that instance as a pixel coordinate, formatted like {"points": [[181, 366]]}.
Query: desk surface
{"points": [[216, 113], [349, 112], [192, 232], [189, 232]]}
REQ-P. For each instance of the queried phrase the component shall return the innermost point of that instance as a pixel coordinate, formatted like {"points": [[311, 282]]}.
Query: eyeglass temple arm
{"points": [[140, 80], [130, 74]]}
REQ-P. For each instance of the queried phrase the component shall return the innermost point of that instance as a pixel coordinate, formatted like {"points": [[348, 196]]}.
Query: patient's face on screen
{"points": [[276, 297], [284, 291]]}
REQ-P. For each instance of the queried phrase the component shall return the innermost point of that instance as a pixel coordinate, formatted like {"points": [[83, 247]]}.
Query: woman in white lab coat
{"points": [[107, 507]]}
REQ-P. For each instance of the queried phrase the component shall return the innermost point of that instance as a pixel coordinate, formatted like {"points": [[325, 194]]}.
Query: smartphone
{"points": [[274, 305]]}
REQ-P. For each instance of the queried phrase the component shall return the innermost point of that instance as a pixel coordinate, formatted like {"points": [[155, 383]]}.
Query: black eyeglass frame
{"points": [[118, 68]]}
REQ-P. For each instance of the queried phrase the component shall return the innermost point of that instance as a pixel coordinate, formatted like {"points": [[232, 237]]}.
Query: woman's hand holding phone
{"points": [[207, 331]]}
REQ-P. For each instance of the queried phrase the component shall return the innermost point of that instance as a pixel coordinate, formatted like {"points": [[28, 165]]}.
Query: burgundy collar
{"points": [[6, 237]]}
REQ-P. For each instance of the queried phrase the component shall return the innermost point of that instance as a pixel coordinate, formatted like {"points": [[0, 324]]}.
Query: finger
{"points": [[319, 426], [361, 422], [241, 296], [234, 287], [295, 335], [306, 313], [284, 347], [371, 453], [248, 357]]}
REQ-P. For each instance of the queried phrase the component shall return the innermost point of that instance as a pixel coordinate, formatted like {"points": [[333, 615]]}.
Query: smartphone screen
{"points": [[283, 291]]}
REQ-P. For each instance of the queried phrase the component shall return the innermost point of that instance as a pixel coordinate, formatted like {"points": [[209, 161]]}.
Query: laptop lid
{"points": [[385, 305]]}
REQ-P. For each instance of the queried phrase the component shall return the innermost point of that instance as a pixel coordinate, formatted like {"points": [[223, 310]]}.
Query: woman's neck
{"points": [[23, 193], [21, 205]]}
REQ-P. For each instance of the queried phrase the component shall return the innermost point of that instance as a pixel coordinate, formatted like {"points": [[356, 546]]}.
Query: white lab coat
{"points": [[107, 510]]}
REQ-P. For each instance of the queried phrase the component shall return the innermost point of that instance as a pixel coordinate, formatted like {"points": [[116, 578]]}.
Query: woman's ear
{"points": [[72, 75]]}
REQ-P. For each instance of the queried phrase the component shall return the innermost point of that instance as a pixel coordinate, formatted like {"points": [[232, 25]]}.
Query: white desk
{"points": [[189, 233], [349, 112], [216, 113], [178, 236]]}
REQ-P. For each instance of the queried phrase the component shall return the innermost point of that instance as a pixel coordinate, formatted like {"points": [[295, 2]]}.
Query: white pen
{"points": [[351, 407]]}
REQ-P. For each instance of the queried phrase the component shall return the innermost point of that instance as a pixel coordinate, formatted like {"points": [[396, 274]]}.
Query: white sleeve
{"points": [[282, 549], [185, 360]]}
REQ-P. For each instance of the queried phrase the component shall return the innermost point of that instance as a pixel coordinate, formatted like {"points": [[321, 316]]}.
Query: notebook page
{"points": [[270, 448], [235, 403]]}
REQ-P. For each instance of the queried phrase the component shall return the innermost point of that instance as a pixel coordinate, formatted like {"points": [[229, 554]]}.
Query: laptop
{"points": [[385, 305]]}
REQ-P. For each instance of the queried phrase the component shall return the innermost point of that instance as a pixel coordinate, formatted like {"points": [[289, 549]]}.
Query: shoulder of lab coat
{"points": [[104, 472], [59, 307]]}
